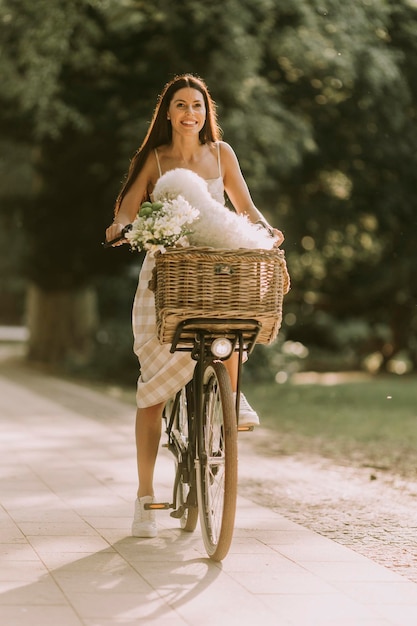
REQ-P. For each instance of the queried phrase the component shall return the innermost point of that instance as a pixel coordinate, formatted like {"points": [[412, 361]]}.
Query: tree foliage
{"points": [[351, 77], [317, 98]]}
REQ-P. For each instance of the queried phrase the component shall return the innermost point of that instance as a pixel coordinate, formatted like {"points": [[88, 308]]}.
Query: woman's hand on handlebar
{"points": [[115, 234], [274, 232], [279, 237]]}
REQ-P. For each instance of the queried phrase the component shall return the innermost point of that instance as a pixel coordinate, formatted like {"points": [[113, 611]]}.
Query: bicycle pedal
{"points": [[245, 429], [157, 506]]}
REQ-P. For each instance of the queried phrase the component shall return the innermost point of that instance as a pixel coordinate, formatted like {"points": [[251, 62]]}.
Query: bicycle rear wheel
{"points": [[217, 462], [185, 470]]}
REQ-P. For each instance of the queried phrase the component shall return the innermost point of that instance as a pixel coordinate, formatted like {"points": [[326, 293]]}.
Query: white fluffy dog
{"points": [[216, 226]]}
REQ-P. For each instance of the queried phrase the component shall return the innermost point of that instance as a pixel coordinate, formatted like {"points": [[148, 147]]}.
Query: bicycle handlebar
{"points": [[109, 244]]}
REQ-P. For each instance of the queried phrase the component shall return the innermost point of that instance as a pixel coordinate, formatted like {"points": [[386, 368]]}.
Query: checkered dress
{"points": [[162, 373]]}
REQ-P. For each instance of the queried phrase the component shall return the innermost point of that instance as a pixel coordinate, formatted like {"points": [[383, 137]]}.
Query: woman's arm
{"points": [[131, 202], [238, 192]]}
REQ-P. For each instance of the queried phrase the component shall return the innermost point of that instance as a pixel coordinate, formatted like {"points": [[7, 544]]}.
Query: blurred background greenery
{"points": [[318, 99]]}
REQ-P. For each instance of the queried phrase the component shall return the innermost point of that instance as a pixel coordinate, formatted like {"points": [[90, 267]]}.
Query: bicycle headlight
{"points": [[221, 347]]}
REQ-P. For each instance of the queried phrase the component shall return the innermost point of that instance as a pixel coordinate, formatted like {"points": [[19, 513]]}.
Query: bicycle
{"points": [[202, 428], [202, 421]]}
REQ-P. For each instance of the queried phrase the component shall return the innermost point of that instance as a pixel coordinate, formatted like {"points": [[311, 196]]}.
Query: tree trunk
{"points": [[61, 325]]}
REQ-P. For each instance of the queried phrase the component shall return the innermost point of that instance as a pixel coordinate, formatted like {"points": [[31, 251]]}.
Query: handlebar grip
{"points": [[109, 244]]}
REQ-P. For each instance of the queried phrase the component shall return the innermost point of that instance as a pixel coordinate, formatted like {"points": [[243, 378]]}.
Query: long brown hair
{"points": [[160, 130]]}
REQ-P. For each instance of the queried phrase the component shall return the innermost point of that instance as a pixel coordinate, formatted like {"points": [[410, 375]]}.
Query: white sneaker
{"points": [[144, 524], [247, 416]]}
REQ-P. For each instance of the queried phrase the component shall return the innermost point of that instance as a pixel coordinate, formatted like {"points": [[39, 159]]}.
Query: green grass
{"points": [[372, 422]]}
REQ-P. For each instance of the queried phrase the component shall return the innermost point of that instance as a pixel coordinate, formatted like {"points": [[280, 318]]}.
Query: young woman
{"points": [[183, 134]]}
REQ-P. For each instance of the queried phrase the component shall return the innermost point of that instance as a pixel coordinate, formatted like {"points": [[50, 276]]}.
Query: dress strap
{"points": [[218, 159], [157, 160]]}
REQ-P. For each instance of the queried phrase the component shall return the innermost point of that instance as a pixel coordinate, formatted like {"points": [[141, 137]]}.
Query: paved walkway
{"points": [[68, 478]]}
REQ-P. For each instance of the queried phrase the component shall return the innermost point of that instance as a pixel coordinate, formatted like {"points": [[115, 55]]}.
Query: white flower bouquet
{"points": [[160, 225]]}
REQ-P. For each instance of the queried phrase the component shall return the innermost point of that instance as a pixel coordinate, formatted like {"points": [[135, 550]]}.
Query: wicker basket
{"points": [[208, 282]]}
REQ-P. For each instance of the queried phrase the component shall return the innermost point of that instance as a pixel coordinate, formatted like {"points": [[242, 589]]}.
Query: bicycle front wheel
{"points": [[217, 462]]}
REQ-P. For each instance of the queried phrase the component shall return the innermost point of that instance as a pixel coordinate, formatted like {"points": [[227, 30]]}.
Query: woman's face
{"points": [[187, 111]]}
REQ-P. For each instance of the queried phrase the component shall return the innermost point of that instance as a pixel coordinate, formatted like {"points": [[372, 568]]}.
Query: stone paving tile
{"points": [[22, 571], [348, 571], [319, 609], [400, 614], [30, 615], [380, 592], [44, 591], [58, 529], [69, 543], [159, 617], [17, 552]]}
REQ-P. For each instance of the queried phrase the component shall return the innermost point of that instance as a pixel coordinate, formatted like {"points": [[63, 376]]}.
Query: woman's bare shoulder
{"points": [[226, 150]]}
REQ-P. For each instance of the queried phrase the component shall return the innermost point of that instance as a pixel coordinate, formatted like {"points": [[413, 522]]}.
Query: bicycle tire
{"points": [[189, 518], [217, 462]]}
